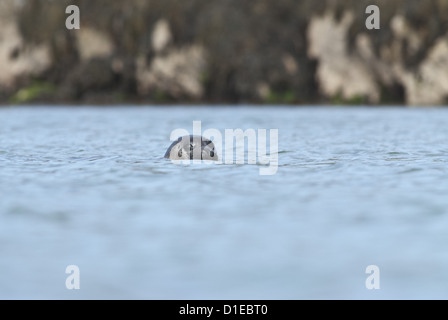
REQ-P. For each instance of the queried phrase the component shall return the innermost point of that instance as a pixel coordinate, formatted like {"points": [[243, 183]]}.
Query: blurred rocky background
{"points": [[224, 51]]}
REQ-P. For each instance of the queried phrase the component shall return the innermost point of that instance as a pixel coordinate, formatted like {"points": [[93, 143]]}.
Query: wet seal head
{"points": [[192, 148]]}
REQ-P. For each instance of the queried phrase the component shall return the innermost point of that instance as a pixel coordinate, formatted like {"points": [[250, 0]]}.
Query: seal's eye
{"points": [[212, 153], [180, 153]]}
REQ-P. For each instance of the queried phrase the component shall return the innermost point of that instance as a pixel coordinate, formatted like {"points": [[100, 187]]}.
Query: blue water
{"points": [[354, 187]]}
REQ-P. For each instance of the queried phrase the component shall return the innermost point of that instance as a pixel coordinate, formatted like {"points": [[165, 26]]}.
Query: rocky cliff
{"points": [[210, 51]]}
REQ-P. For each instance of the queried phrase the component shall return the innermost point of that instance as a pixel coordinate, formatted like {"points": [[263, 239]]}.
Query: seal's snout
{"points": [[193, 148]]}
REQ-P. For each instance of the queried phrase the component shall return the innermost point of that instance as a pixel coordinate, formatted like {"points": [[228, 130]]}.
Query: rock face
{"points": [[340, 72], [174, 72], [428, 84], [18, 60], [92, 43], [260, 51]]}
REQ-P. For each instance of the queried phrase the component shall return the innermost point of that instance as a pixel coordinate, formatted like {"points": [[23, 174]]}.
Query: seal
{"points": [[192, 147]]}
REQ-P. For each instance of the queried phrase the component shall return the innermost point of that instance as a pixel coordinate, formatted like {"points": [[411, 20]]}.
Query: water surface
{"points": [[354, 187]]}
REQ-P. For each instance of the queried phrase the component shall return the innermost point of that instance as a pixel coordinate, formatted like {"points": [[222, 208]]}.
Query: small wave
{"points": [[410, 170]]}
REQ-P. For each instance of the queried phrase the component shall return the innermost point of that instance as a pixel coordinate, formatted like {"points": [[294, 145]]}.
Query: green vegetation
{"points": [[355, 100], [33, 92], [283, 97]]}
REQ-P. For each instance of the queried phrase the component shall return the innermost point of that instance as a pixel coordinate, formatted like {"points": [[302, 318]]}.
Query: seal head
{"points": [[192, 148]]}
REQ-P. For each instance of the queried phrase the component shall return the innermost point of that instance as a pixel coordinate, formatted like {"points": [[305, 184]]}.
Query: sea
{"points": [[355, 206]]}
